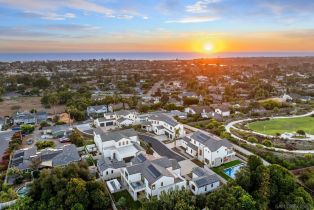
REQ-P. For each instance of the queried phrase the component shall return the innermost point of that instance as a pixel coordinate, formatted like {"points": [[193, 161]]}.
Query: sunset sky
{"points": [[156, 26]]}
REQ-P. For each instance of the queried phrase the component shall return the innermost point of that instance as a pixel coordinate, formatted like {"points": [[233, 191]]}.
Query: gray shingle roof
{"points": [[155, 169], [206, 180], [22, 159], [163, 117], [105, 163], [68, 155], [115, 135], [210, 142]]}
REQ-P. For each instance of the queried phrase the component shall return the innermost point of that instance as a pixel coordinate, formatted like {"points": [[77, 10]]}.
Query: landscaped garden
{"points": [[220, 170], [283, 125], [123, 199]]}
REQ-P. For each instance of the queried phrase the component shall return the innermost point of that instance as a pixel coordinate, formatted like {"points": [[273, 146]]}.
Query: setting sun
{"points": [[208, 47]]}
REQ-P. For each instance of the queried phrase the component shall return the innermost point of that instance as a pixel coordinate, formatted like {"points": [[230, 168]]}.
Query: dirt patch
{"points": [[8, 107]]}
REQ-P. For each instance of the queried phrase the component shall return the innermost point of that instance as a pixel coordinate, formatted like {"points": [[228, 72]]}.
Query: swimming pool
{"points": [[231, 172], [23, 191]]}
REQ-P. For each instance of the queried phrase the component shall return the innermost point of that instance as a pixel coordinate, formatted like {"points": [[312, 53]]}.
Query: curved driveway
{"points": [[231, 125], [160, 148]]}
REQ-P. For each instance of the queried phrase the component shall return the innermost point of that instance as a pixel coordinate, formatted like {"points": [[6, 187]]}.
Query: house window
{"points": [[153, 187], [205, 188], [200, 152], [123, 143], [112, 171], [212, 185], [161, 184], [193, 187], [119, 143], [106, 172]]}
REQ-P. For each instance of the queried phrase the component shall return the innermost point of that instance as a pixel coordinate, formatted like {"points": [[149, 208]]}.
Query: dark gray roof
{"points": [[198, 171], [105, 163], [22, 159], [124, 112], [115, 135], [96, 108], [189, 144], [68, 155], [155, 169], [163, 117], [192, 146], [209, 141], [120, 120], [206, 180]]}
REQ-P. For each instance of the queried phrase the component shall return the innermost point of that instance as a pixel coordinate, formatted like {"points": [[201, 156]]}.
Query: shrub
{"points": [[27, 128], [267, 143], [252, 139], [44, 144]]}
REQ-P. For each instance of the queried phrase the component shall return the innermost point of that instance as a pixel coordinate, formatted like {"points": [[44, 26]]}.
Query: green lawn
{"points": [[220, 169], [274, 126], [131, 204]]}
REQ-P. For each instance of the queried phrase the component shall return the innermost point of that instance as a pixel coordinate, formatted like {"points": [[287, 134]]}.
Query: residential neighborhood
{"points": [[148, 138]]}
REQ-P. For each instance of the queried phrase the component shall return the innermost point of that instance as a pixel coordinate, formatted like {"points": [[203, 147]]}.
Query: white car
{"points": [[46, 137]]}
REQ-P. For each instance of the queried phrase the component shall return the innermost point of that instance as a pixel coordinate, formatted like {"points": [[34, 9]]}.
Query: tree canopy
{"points": [[71, 187]]}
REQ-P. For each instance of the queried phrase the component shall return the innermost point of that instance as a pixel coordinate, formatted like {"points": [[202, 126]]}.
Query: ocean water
{"points": [[10, 57]]}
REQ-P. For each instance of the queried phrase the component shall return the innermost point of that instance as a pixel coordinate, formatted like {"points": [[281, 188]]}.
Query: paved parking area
{"points": [[187, 166], [160, 148]]}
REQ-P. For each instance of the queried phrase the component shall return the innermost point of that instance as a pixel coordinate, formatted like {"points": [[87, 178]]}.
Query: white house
{"points": [[128, 114], [286, 98], [161, 124], [120, 118], [109, 120], [2, 121], [110, 169], [96, 111], [204, 111], [119, 145], [149, 178], [121, 122], [202, 181], [208, 150], [222, 110]]}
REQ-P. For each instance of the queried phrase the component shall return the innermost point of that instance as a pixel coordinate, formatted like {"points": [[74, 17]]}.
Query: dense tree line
{"points": [[256, 187], [71, 187]]}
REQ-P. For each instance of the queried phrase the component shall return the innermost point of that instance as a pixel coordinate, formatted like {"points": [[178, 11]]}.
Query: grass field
{"points": [[8, 107], [290, 125]]}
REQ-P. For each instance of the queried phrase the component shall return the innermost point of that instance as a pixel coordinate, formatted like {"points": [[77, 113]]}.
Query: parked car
{"points": [[64, 139], [30, 141]]}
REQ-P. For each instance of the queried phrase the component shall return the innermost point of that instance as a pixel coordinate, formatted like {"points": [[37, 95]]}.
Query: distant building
{"points": [[20, 118], [162, 124], [24, 159], [98, 111]]}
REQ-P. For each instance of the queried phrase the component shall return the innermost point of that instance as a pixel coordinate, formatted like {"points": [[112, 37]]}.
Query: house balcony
{"points": [[137, 186]]}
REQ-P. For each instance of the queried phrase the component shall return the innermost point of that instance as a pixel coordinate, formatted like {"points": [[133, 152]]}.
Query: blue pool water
{"points": [[23, 191], [231, 172]]}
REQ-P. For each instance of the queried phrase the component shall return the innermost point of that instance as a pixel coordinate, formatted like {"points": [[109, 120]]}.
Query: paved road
{"points": [[160, 148], [5, 137], [231, 125], [154, 88]]}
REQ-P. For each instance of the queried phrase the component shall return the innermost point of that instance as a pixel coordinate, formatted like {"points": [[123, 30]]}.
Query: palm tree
{"points": [[53, 101], [176, 136]]}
